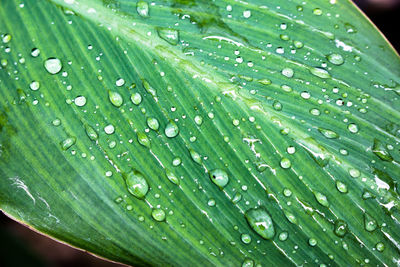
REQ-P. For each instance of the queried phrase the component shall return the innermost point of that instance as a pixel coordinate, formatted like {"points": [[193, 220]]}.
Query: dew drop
{"points": [[283, 236], [115, 98], [169, 35], [6, 38], [246, 238], [143, 139], [176, 161], [219, 177], [136, 184], [136, 98], [35, 52], [312, 242], [198, 120], [341, 187], [158, 215], [142, 9], [53, 65], [248, 263], [379, 150], [260, 221], [171, 130], [34, 85], [352, 127], [80, 101], [172, 177], [380, 247], [285, 163], [211, 202], [370, 223], [91, 133], [153, 123], [321, 73], [288, 72], [321, 198], [109, 129], [120, 82], [335, 59], [340, 228], [67, 143], [328, 133], [195, 156]]}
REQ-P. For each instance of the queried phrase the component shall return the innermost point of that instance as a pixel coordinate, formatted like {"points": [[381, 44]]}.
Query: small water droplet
{"points": [[115, 98], [285, 163], [321, 73], [169, 35], [142, 9], [335, 59], [236, 198], [340, 228], [53, 65], [35, 52], [80, 101], [143, 139], [198, 120], [6, 38], [312, 242], [136, 98], [171, 130], [172, 177], [370, 223], [211, 202], [120, 82], [321, 198], [283, 236], [136, 184], [153, 123], [109, 129], [380, 247], [247, 14], [328, 133], [67, 143], [352, 127], [34, 85], [91, 133], [176, 161], [219, 177], [260, 221], [288, 72], [248, 263], [246, 238], [341, 187], [195, 156], [158, 215]]}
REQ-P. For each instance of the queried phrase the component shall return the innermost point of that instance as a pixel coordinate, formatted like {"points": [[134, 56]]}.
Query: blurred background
{"points": [[20, 247]]}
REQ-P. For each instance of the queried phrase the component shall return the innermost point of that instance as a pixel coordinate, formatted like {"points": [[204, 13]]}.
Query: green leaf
{"points": [[194, 132]]}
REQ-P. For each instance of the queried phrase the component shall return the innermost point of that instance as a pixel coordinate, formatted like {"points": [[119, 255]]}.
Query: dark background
{"points": [[22, 247]]}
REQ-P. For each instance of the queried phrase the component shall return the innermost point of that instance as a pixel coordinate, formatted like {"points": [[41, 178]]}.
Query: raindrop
{"points": [[171, 130], [321, 73], [67, 143], [370, 223], [340, 228], [109, 129], [328, 133], [341, 187], [153, 123], [143, 139], [35, 52], [115, 98], [195, 156], [34, 85], [198, 120], [352, 127], [136, 98], [158, 215], [321, 198], [120, 82], [379, 150], [142, 9], [172, 177], [219, 177], [80, 101], [136, 184], [285, 163], [260, 221], [169, 35], [176, 161], [335, 59], [283, 236], [91, 133], [53, 65], [246, 238]]}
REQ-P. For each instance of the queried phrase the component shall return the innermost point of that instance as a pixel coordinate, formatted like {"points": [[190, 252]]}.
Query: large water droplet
{"points": [[172, 177], [158, 215], [136, 98], [321, 73], [142, 9], [335, 59], [219, 177], [260, 221], [370, 223], [53, 65], [171, 130], [153, 123], [115, 98], [321, 198], [380, 150], [169, 35], [136, 184]]}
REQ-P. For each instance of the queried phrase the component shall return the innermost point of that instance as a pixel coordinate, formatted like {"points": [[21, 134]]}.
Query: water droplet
{"points": [[53, 65], [352, 127], [321, 198], [265, 81], [56, 122], [115, 98], [236, 198], [158, 215], [136, 184], [340, 228], [172, 177], [211, 202], [153, 123], [248, 263], [67, 143], [277, 105], [290, 217], [120, 82], [91, 133], [219, 177], [247, 14], [370, 223], [367, 194], [80, 101], [379, 150], [7, 38], [198, 120], [260, 221], [142, 9], [246, 238], [283, 236], [380, 247], [335, 59], [328, 133], [169, 35], [35, 52], [136, 98], [350, 28], [312, 242], [288, 72], [321, 73], [317, 11], [143, 139], [109, 129], [315, 112], [287, 192], [176, 161], [171, 130], [195, 156], [285, 163], [341, 187], [34, 85]]}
